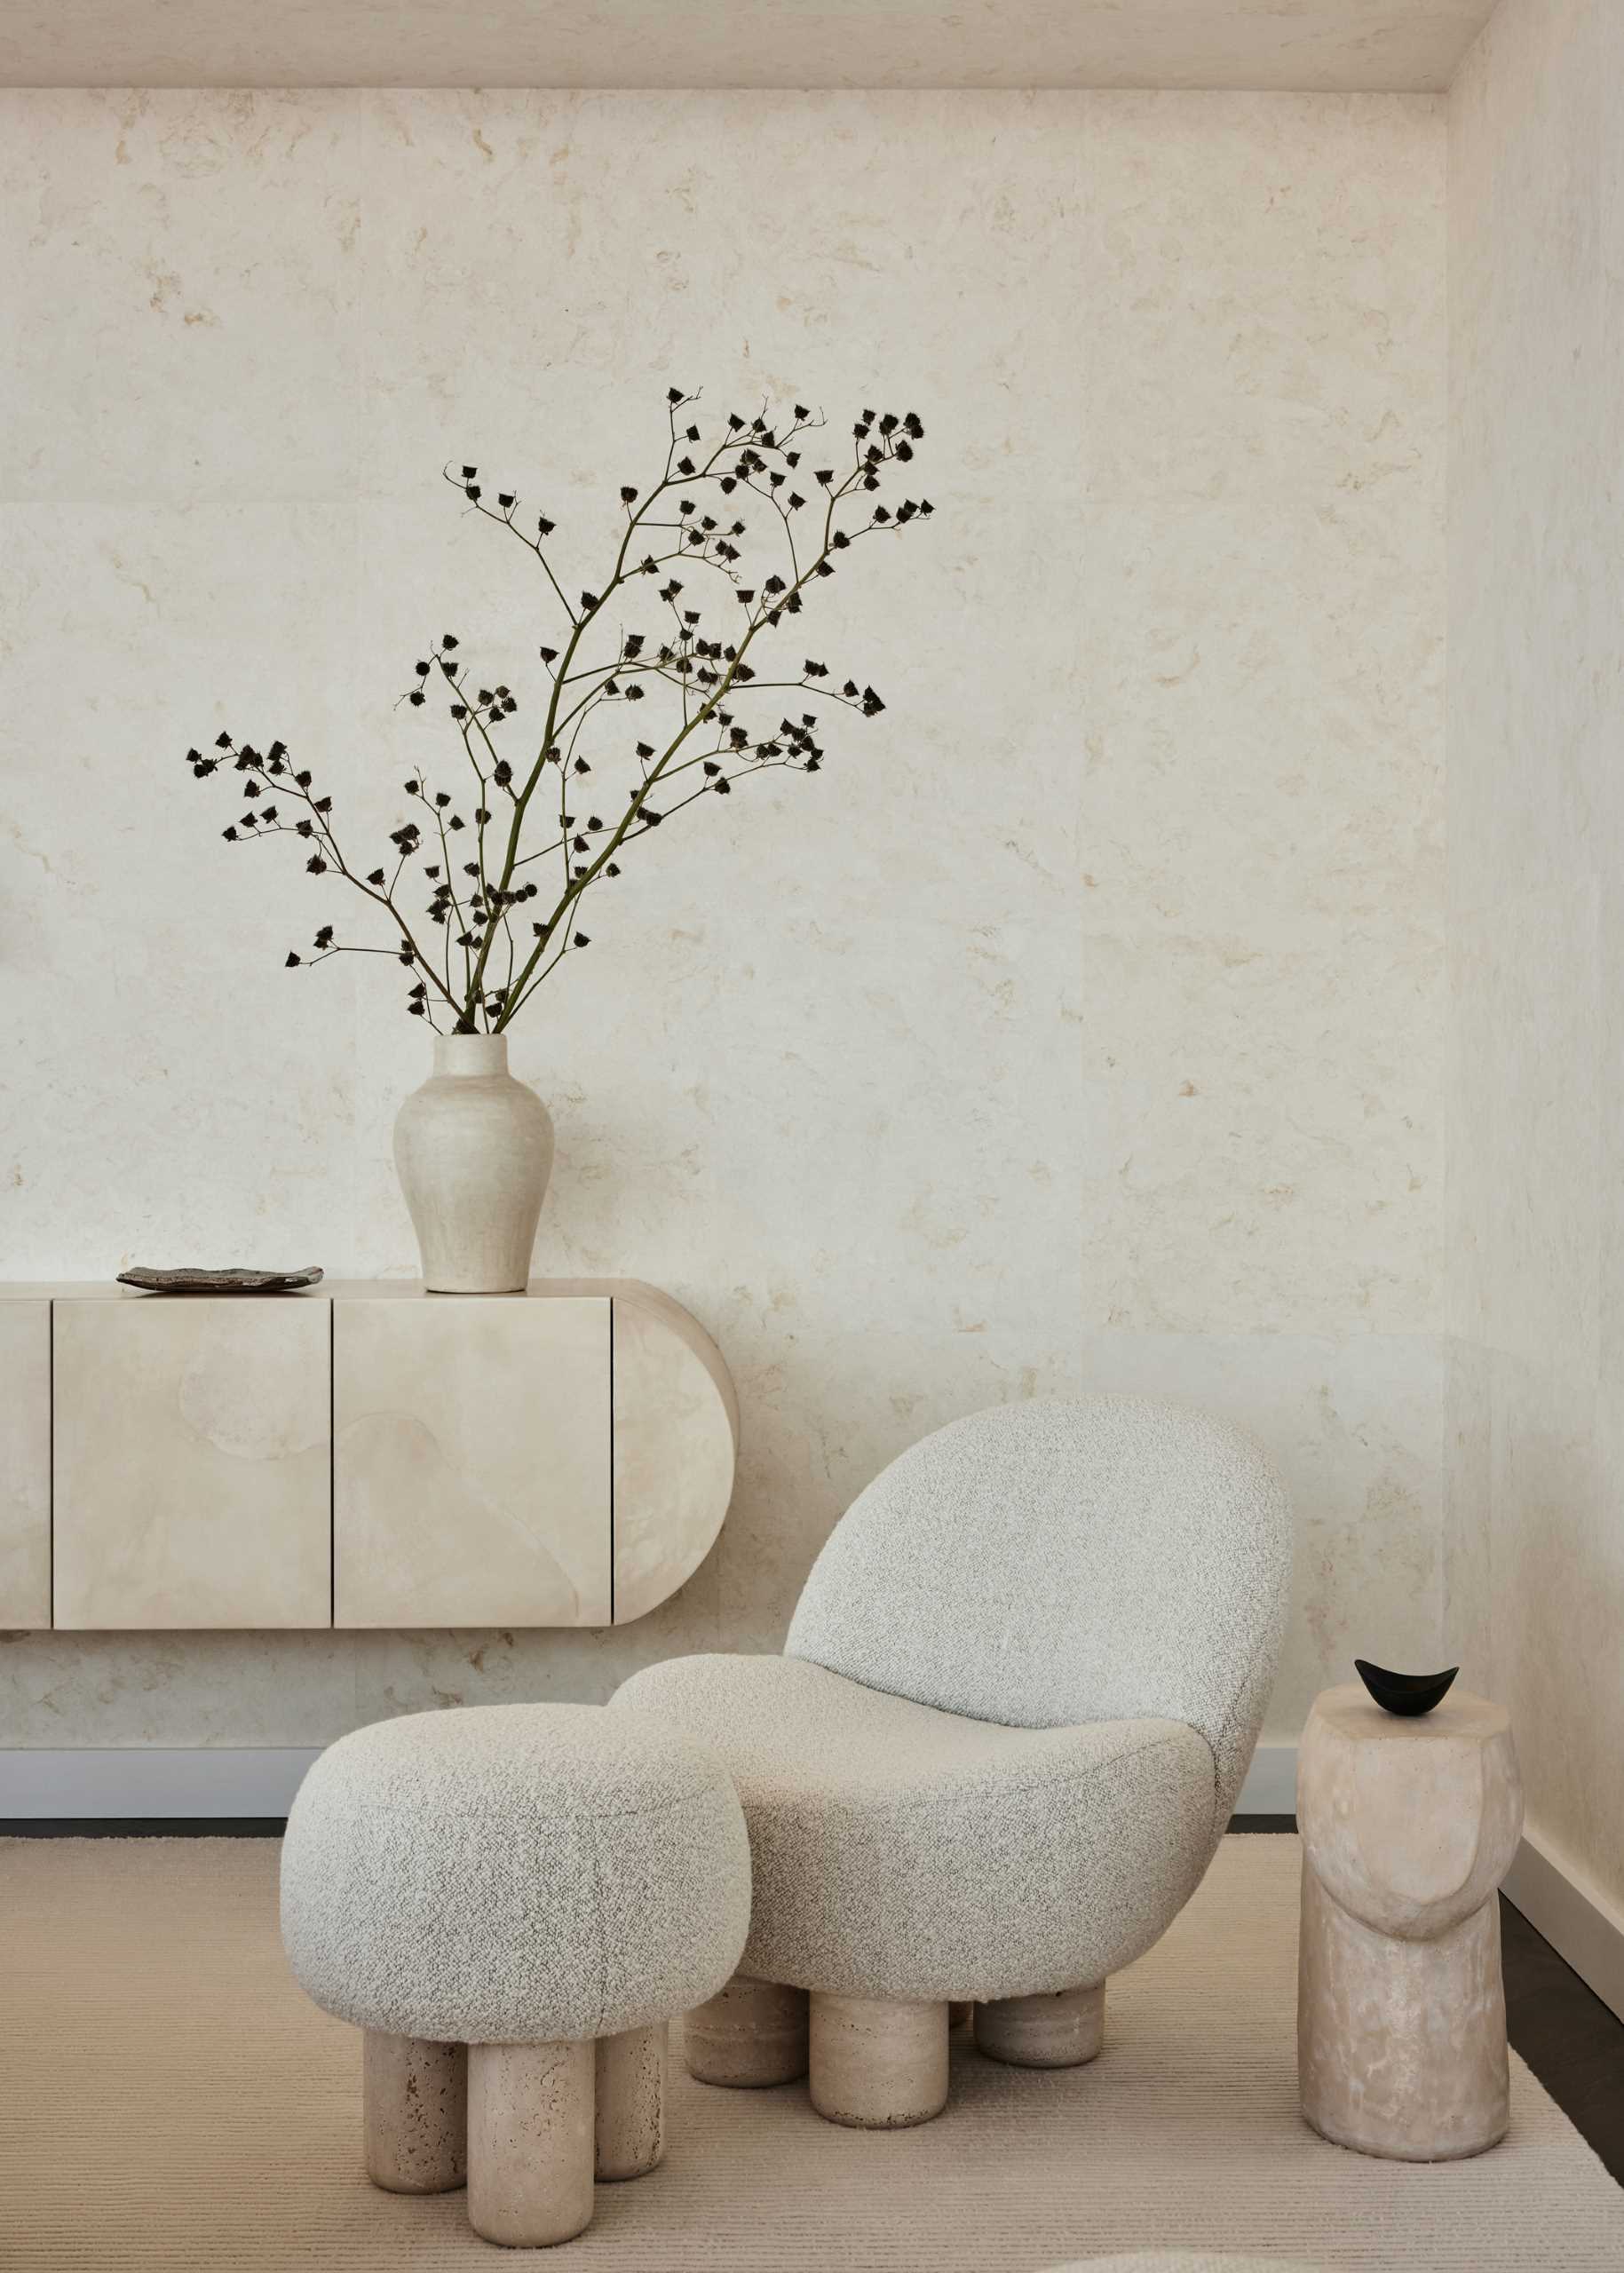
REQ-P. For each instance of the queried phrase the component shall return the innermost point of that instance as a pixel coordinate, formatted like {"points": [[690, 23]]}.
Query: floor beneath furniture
{"points": [[169, 2099]]}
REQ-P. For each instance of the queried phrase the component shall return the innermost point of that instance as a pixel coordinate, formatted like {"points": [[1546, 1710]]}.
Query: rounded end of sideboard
{"points": [[675, 1447]]}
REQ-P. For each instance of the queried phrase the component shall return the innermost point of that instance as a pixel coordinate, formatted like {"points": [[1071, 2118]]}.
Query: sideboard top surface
{"points": [[346, 1290], [651, 1299]]}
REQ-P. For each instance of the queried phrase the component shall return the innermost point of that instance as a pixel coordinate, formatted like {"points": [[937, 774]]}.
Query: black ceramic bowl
{"points": [[1408, 1693]]}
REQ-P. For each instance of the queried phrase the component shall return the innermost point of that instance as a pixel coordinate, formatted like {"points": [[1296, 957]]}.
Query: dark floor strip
{"points": [[145, 1826], [1574, 2044]]}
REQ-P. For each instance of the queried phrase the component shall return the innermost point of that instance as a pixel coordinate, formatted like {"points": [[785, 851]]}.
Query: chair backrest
{"points": [[1047, 1564]]}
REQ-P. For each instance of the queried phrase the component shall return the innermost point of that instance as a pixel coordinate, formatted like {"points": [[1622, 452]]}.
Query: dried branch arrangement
{"points": [[503, 910]]}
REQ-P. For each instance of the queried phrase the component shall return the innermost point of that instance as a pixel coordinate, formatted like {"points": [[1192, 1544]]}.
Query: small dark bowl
{"points": [[1407, 1693]]}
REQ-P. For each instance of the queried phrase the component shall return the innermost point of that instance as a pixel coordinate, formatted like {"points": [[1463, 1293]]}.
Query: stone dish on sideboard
{"points": [[148, 1281]]}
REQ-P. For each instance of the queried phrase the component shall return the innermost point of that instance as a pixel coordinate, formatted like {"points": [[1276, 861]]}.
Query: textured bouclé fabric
{"points": [[1049, 1562], [1019, 1696], [514, 1874], [897, 1852]]}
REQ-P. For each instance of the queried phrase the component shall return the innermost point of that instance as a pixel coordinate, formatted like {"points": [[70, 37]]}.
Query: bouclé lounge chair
{"points": [[1018, 1700]]}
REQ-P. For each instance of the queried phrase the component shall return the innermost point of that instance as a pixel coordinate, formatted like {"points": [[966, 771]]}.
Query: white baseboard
{"points": [[178, 1781], [1577, 1918], [151, 1780], [1271, 1788]]}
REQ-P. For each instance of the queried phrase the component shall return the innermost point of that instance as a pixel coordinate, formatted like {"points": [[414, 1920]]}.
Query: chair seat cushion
{"points": [[903, 1852], [514, 1874]]}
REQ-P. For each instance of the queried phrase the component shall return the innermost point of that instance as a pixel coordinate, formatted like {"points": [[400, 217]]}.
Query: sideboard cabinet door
{"points": [[192, 1462], [24, 1464], [471, 1461]]}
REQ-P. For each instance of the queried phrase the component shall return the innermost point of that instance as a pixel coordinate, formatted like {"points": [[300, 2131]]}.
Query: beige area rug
{"points": [[168, 2099]]}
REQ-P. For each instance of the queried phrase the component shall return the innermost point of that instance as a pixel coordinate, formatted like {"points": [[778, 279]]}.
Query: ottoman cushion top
{"points": [[514, 1874]]}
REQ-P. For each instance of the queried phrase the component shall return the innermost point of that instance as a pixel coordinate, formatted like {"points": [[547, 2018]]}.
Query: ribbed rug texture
{"points": [[169, 2099]]}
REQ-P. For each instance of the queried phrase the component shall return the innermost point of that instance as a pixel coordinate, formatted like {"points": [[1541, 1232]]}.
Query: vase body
{"points": [[473, 1150]]}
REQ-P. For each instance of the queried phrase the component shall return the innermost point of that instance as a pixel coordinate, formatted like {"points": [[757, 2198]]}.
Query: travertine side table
{"points": [[1408, 1827]]}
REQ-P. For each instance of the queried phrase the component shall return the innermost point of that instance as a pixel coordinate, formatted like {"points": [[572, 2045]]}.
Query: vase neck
{"points": [[471, 1055]]}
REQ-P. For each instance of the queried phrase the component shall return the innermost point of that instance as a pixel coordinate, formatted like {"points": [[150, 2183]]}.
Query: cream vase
{"points": [[473, 1150]]}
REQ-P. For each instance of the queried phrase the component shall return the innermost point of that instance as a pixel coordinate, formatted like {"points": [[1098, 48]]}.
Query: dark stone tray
{"points": [[220, 1282]]}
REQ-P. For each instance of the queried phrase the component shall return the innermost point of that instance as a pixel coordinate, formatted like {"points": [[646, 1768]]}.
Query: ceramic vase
{"points": [[473, 1150]]}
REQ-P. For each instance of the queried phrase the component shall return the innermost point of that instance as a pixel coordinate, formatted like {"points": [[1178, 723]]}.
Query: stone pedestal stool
{"points": [[1408, 1827], [512, 1901]]}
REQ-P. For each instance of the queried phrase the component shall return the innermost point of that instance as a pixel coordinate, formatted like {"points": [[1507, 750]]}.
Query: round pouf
{"points": [[1408, 1827], [512, 1901]]}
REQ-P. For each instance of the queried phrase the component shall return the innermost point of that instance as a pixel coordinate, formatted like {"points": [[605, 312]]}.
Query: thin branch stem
{"points": [[708, 669]]}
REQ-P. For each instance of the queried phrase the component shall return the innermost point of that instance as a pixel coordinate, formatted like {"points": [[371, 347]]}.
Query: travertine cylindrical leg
{"points": [[1060, 2028], [631, 2101], [878, 2065], [414, 2104], [750, 2034], [1401, 2045], [530, 2142]]}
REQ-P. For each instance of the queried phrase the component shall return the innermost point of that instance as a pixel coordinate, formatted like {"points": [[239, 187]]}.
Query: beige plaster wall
{"points": [[1081, 1024], [1535, 1562]]}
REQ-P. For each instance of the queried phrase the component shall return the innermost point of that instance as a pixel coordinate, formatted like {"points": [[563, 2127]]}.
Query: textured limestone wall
{"points": [[1535, 1558], [1080, 1023]]}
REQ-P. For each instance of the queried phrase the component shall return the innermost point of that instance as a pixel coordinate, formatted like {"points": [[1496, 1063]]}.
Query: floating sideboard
{"points": [[359, 1454]]}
